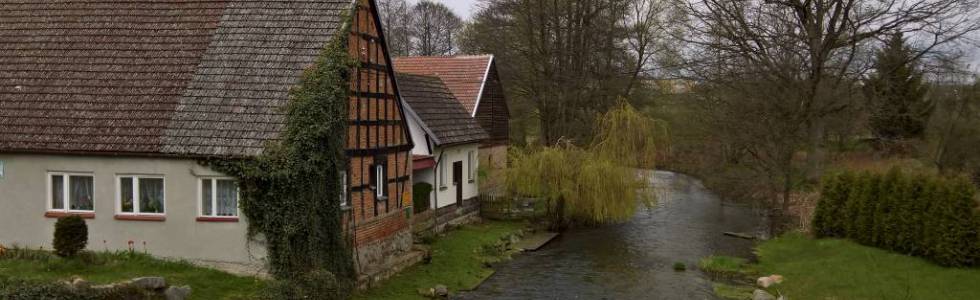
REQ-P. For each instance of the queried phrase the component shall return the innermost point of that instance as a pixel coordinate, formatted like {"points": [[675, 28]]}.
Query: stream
{"points": [[633, 260]]}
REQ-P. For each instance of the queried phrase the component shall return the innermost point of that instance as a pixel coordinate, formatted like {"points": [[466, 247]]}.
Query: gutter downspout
{"points": [[438, 183]]}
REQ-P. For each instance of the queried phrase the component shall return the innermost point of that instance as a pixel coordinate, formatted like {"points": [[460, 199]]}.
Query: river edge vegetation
{"points": [[460, 260], [839, 269], [33, 273]]}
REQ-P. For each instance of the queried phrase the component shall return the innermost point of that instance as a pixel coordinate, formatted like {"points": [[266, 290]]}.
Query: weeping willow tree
{"points": [[597, 184]]}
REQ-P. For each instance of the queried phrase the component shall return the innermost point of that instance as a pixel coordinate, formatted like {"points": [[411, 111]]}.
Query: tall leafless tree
{"points": [[433, 28], [776, 70], [564, 61], [395, 19]]}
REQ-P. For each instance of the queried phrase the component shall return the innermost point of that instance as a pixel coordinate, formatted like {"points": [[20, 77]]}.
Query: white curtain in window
{"points": [[206, 197], [126, 194], [151, 195], [57, 192], [227, 198], [80, 195]]}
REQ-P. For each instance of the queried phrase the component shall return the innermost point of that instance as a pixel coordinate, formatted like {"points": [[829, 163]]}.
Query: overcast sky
{"points": [[462, 7]]}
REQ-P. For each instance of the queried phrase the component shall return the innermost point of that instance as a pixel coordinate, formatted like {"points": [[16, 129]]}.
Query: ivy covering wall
{"points": [[290, 194]]}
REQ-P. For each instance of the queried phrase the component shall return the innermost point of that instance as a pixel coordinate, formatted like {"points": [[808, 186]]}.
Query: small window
{"points": [[71, 192], [141, 195], [380, 182], [442, 175], [219, 197], [471, 164], [343, 189]]}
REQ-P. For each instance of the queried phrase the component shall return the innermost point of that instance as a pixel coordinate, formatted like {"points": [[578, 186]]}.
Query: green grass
{"points": [[732, 292], [841, 269], [458, 261], [725, 266], [104, 268]]}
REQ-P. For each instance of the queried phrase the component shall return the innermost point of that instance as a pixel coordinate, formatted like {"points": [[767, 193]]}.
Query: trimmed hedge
{"points": [[921, 215]]}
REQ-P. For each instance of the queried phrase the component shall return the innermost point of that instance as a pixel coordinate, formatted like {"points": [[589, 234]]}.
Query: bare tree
{"points": [[781, 68], [565, 61], [395, 19], [433, 28]]}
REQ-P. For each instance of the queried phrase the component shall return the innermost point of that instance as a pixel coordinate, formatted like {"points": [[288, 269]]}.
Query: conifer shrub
{"points": [[420, 196], [70, 236], [923, 215]]}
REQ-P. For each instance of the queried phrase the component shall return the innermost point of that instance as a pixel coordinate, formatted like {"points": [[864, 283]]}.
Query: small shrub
{"points": [[70, 236], [680, 267], [420, 196]]}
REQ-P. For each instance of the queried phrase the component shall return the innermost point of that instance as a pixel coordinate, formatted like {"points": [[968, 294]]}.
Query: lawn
{"points": [[104, 268], [841, 269], [458, 262]]}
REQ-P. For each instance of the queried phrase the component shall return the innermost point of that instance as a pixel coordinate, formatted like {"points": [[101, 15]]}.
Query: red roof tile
{"points": [[463, 75]]}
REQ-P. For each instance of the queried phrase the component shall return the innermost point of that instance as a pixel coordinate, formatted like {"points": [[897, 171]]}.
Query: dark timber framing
{"points": [[377, 132]]}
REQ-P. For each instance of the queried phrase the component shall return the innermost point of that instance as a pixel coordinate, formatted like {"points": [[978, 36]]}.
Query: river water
{"points": [[633, 260]]}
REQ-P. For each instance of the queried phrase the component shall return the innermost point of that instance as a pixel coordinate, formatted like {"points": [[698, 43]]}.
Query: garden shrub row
{"points": [[916, 214]]}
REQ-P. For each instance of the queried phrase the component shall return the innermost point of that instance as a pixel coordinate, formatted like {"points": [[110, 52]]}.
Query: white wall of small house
{"points": [[418, 136], [24, 202], [444, 192]]}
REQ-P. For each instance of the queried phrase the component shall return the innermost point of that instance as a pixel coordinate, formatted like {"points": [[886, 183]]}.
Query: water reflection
{"points": [[633, 260]]}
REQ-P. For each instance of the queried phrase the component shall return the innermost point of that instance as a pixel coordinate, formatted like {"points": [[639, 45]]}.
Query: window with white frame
{"points": [[71, 192], [139, 194], [442, 174], [343, 189], [380, 181], [471, 164], [219, 197]]}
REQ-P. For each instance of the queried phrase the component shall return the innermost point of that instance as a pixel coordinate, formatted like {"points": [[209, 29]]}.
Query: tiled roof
{"points": [[183, 78], [438, 110], [464, 75]]}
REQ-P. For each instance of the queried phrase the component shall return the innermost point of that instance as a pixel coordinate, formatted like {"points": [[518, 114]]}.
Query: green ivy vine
{"points": [[290, 193]]}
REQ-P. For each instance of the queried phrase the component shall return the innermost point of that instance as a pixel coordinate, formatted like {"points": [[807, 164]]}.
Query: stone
{"points": [[764, 282], [776, 278], [149, 283], [762, 295], [767, 281], [79, 283], [441, 291], [177, 292], [428, 293]]}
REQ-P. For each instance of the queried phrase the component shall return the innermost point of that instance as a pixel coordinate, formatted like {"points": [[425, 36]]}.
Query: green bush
{"points": [[70, 236], [921, 215], [420, 196]]}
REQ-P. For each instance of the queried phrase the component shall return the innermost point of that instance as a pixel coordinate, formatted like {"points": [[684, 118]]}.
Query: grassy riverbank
{"points": [[103, 268], [458, 262], [841, 269]]}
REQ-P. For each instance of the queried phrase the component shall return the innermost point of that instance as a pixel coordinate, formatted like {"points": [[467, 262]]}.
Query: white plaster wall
{"points": [[23, 197], [418, 136], [445, 194]]}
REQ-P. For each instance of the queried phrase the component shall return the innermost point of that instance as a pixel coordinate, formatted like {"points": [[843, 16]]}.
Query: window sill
{"points": [[60, 214], [218, 219], [472, 181], [146, 218], [443, 188], [382, 198]]}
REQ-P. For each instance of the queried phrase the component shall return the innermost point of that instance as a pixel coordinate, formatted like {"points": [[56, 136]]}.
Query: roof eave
{"points": [[483, 85]]}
